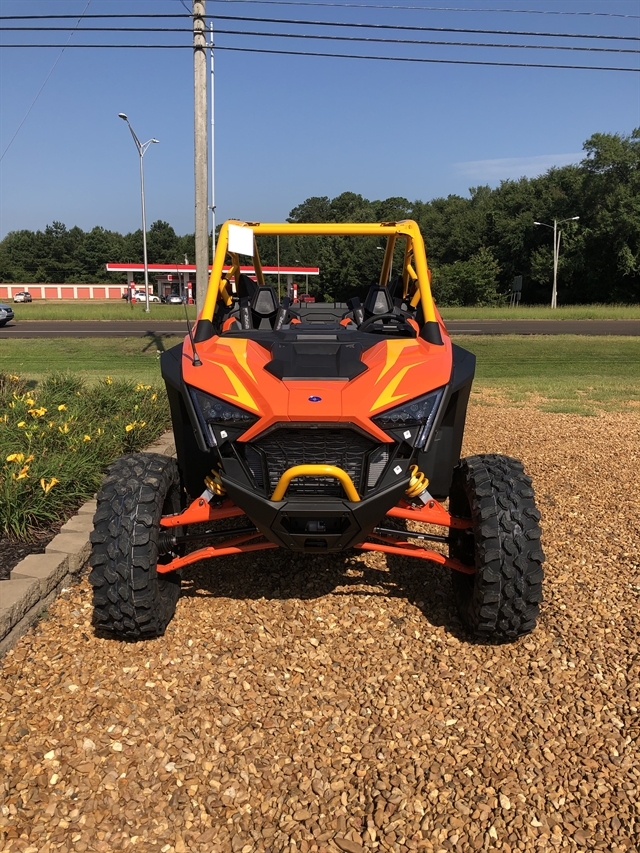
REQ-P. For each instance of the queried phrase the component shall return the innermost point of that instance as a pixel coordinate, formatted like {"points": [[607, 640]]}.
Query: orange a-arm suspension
{"points": [[200, 510], [431, 513]]}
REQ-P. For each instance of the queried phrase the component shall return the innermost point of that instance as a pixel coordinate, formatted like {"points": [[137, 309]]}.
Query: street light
{"points": [[142, 147], [556, 253]]}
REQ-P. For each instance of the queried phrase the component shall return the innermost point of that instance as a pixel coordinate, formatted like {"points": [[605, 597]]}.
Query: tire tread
{"points": [[501, 601], [130, 599]]}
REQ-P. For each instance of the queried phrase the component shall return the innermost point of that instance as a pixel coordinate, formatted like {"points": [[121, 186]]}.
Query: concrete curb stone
{"points": [[38, 579]]}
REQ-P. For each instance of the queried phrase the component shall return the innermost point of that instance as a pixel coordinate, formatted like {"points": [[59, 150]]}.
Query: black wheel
{"points": [[130, 599], [501, 600]]}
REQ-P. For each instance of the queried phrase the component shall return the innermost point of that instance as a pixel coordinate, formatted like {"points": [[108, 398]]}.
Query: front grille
{"points": [[287, 446]]}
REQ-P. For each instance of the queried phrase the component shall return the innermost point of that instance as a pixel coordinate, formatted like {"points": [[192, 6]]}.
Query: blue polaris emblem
{"points": [[315, 399]]}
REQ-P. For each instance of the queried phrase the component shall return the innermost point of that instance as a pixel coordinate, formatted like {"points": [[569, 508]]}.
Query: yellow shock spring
{"points": [[214, 483], [418, 482]]}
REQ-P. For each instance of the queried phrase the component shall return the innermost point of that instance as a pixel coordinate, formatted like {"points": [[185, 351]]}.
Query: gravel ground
{"points": [[325, 704]]}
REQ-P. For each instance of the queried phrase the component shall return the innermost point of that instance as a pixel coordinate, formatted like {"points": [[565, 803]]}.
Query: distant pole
{"points": [[556, 253], [142, 147], [212, 143], [200, 150]]}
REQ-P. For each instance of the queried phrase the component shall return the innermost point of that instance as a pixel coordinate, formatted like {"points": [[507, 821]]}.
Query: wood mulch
{"points": [[333, 703]]}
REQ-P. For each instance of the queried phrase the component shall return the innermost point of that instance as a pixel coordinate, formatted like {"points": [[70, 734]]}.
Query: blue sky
{"points": [[290, 127]]}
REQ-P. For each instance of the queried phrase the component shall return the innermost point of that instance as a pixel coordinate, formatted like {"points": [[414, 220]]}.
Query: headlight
{"points": [[218, 416], [420, 411]]}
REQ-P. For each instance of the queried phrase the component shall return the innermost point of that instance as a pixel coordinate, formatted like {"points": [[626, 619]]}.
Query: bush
{"points": [[57, 439], [472, 282]]}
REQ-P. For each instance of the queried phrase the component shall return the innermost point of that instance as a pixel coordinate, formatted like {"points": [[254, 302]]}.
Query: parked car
{"points": [[6, 314], [139, 296], [23, 296], [174, 299]]}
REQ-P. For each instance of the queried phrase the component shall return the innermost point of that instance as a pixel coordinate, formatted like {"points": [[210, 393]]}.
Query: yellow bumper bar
{"points": [[315, 471]]}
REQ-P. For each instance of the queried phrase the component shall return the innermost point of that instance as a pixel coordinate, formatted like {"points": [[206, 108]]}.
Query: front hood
{"points": [[240, 370]]}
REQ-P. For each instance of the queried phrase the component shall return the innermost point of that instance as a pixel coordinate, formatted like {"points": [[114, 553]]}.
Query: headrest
{"points": [[378, 301]]}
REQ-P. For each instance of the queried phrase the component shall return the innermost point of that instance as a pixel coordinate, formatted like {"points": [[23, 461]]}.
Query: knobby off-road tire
{"points": [[130, 599], [501, 600]]}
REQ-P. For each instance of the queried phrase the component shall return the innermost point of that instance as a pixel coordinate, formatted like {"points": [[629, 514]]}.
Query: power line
{"points": [[581, 13], [364, 39], [358, 39], [329, 55], [434, 61], [351, 24], [46, 79], [432, 8], [419, 29]]}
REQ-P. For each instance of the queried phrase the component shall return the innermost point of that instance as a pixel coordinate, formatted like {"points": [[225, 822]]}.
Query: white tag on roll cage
{"points": [[241, 240]]}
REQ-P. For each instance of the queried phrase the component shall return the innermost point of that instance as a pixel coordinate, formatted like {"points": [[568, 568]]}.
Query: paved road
{"points": [[113, 328]]}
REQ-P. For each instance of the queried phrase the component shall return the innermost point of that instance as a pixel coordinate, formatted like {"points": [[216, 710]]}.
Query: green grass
{"points": [[569, 373], [543, 312], [114, 310], [120, 310], [136, 359], [559, 373]]}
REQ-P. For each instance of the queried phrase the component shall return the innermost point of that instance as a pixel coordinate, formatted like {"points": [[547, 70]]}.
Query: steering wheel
{"points": [[377, 318]]}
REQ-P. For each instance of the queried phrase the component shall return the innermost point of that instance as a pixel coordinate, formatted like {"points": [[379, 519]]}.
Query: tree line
{"points": [[476, 245]]}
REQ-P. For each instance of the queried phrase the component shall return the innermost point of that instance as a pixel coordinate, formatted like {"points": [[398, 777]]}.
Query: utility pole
{"points": [[200, 150], [212, 144]]}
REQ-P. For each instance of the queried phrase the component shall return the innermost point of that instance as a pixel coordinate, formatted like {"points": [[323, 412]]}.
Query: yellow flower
{"points": [[22, 424], [22, 474], [62, 407], [12, 405], [51, 423], [15, 457], [129, 427], [30, 402], [99, 430], [109, 380], [64, 428], [154, 397], [14, 378], [29, 458], [139, 386], [38, 413], [5, 418], [142, 423], [46, 487], [87, 438]]}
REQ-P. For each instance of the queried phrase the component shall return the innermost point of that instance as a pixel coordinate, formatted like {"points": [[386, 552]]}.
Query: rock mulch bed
{"points": [[324, 704]]}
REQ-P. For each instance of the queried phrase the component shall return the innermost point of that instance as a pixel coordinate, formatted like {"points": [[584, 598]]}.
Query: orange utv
{"points": [[320, 428]]}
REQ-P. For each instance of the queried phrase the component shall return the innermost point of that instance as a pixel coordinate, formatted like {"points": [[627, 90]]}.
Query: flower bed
{"points": [[57, 439]]}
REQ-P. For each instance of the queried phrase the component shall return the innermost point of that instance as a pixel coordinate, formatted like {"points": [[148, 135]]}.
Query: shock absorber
{"points": [[214, 485], [417, 491]]}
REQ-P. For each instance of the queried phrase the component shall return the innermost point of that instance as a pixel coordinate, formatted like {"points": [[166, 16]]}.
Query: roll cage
{"points": [[416, 286]]}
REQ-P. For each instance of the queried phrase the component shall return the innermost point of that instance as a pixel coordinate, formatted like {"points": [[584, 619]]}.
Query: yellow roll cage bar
{"points": [[415, 273]]}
